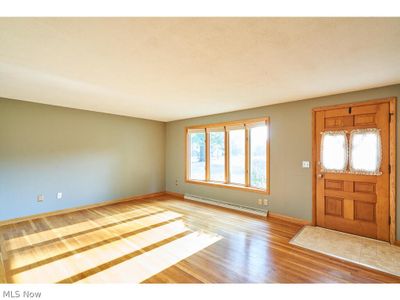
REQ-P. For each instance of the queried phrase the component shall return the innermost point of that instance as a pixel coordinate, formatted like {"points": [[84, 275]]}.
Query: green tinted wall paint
{"points": [[94, 157], [291, 185], [89, 157]]}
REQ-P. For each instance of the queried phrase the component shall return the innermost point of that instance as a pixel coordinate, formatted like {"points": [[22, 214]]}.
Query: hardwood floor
{"points": [[165, 240]]}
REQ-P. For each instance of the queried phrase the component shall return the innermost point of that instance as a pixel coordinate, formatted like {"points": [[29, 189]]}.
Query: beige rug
{"points": [[364, 251]]}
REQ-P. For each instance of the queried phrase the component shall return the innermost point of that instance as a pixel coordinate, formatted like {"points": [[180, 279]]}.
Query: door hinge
{"points": [[390, 117], [390, 169], [390, 220]]}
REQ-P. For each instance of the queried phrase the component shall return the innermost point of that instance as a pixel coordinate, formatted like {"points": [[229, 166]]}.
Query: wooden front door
{"points": [[352, 177]]}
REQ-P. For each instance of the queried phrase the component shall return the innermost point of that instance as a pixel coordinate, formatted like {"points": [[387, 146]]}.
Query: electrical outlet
{"points": [[266, 202], [176, 182], [305, 164], [59, 195], [260, 201], [40, 198]]}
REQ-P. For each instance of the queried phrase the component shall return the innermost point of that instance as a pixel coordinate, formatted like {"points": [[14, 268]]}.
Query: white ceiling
{"points": [[173, 68]]}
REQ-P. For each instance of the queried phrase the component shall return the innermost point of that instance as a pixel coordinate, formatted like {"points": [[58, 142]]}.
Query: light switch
{"points": [[59, 195], [306, 164]]}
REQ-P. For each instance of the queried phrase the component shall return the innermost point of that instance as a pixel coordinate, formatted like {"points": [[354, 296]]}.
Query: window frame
{"points": [[247, 124]]}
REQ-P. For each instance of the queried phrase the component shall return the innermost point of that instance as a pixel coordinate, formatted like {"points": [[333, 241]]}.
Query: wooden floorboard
{"points": [[165, 240]]}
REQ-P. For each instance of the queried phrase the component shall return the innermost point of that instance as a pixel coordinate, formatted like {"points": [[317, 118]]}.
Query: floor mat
{"points": [[371, 253]]}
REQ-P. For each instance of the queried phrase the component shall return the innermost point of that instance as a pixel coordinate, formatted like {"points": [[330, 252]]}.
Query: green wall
{"points": [[291, 185], [93, 157], [89, 157]]}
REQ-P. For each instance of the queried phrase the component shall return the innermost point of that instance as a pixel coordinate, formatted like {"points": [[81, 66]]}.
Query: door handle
{"points": [[320, 175]]}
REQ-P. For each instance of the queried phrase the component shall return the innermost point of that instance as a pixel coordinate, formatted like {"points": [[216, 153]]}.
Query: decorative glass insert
{"points": [[365, 151], [334, 151]]}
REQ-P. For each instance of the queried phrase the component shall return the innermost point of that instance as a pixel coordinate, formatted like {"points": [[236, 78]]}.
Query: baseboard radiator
{"points": [[237, 207]]}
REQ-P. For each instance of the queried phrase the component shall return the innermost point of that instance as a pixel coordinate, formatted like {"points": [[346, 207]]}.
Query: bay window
{"points": [[231, 154]]}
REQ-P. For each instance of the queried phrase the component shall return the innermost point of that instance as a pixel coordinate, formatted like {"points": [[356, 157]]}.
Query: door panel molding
{"points": [[365, 114]]}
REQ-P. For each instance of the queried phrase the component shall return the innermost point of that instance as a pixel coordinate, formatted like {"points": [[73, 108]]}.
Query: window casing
{"points": [[236, 155]]}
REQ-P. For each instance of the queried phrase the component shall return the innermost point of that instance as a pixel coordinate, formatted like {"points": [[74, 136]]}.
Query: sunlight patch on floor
{"points": [[62, 247], [54, 233], [153, 262], [61, 269]]}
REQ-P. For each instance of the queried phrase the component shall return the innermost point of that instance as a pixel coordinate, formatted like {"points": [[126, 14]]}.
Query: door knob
{"points": [[320, 175]]}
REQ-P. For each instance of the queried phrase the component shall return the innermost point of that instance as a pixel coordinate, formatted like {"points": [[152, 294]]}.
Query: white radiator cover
{"points": [[238, 207]]}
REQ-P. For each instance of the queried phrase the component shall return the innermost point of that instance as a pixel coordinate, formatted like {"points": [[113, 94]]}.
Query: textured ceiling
{"points": [[174, 68]]}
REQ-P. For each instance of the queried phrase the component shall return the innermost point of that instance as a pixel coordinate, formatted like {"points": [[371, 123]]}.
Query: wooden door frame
{"points": [[392, 159]]}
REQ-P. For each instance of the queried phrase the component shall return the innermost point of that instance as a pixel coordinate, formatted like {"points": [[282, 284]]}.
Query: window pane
{"points": [[334, 151], [198, 156], [237, 156], [258, 157], [365, 155], [217, 156]]}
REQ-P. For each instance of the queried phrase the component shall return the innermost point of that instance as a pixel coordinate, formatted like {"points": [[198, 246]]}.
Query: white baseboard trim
{"points": [[221, 203]]}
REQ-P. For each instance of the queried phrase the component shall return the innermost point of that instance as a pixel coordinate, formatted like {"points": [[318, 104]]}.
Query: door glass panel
{"points": [[334, 151], [365, 151]]}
